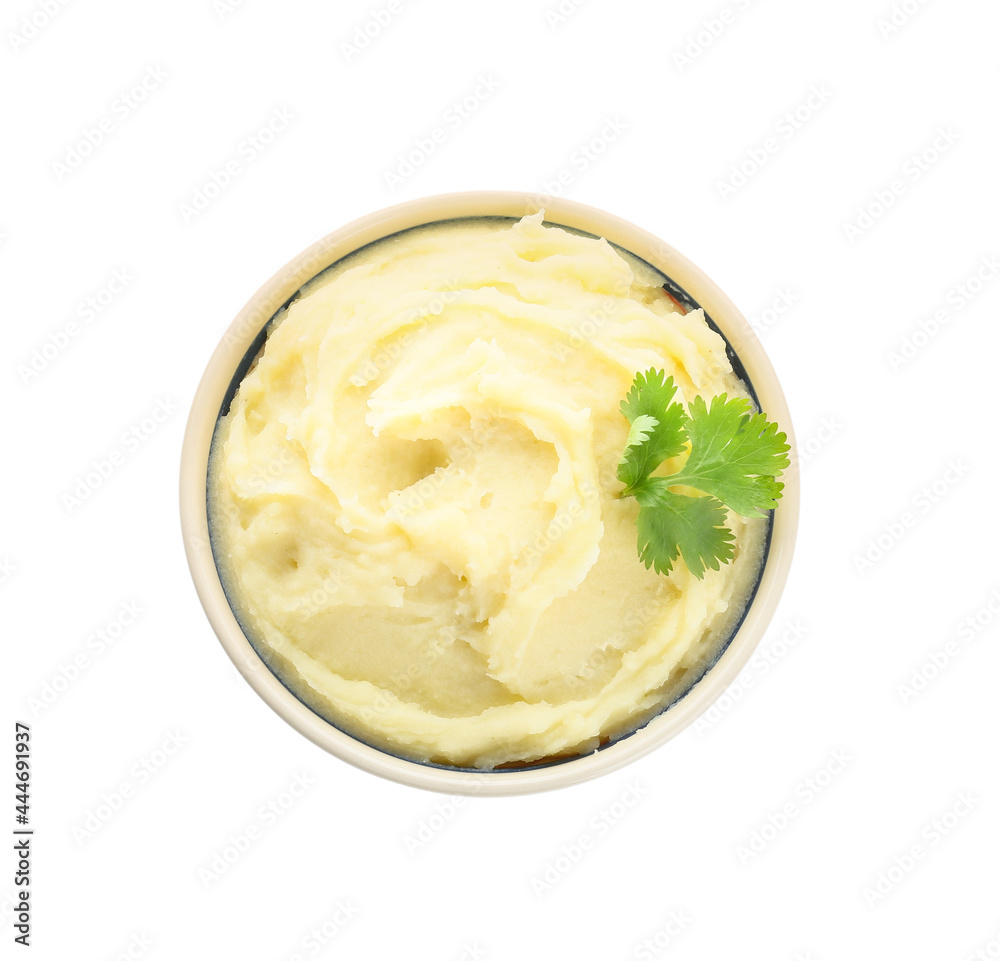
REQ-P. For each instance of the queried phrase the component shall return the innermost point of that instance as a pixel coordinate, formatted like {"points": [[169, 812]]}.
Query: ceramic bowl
{"points": [[241, 343]]}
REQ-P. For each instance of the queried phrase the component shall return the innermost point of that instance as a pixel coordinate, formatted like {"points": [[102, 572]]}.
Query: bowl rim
{"points": [[249, 323]]}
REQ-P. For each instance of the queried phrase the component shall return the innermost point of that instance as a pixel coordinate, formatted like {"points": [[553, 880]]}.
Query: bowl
{"points": [[243, 340]]}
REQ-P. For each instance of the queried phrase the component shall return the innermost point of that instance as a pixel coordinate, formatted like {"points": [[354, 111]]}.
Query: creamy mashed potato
{"points": [[413, 496]]}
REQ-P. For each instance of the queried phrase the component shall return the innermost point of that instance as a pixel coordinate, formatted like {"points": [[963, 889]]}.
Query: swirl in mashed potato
{"points": [[413, 496]]}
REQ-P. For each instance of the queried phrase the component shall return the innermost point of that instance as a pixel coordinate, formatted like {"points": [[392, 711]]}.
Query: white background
{"points": [[598, 106]]}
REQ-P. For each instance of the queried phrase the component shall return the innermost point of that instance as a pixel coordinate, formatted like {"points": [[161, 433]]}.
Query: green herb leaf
{"points": [[735, 457], [651, 412], [675, 523]]}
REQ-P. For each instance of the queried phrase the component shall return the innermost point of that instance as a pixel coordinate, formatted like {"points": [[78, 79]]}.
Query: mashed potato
{"points": [[413, 496]]}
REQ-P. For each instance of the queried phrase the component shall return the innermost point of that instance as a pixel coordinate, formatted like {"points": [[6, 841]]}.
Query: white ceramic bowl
{"points": [[240, 344]]}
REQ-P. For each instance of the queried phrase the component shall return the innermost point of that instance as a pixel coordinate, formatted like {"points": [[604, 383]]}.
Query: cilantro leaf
{"points": [[735, 455], [662, 425], [629, 467], [675, 523]]}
